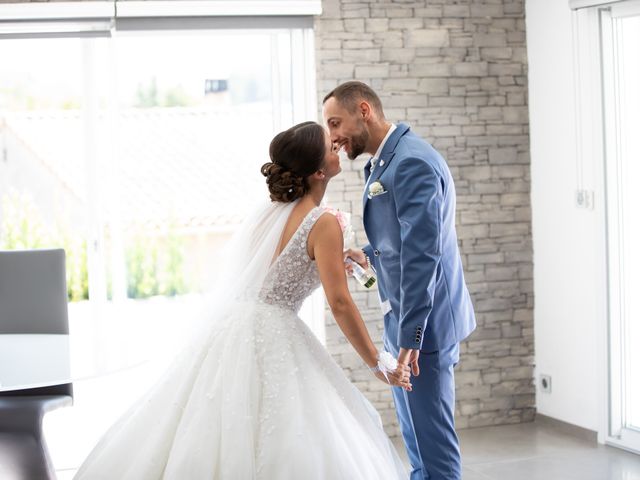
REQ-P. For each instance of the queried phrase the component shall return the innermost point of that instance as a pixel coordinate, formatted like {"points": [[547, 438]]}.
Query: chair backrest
{"points": [[33, 292], [33, 300]]}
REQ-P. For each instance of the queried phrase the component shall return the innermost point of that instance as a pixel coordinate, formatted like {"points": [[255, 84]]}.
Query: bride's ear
{"points": [[319, 175]]}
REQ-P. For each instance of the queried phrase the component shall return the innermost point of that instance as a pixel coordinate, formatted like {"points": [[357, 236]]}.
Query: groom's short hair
{"points": [[349, 94]]}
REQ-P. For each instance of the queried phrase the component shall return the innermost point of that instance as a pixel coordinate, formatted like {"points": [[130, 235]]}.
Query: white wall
{"points": [[568, 242]]}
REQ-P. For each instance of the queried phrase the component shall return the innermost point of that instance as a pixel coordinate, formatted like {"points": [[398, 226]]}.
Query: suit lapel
{"points": [[367, 171], [388, 152]]}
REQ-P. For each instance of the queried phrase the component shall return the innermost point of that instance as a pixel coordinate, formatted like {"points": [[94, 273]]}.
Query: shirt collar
{"points": [[384, 140]]}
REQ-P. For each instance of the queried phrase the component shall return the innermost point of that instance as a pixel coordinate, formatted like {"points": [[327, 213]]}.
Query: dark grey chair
{"points": [[33, 300]]}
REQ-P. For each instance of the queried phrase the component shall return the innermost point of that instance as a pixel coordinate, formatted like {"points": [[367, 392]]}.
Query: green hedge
{"points": [[154, 264]]}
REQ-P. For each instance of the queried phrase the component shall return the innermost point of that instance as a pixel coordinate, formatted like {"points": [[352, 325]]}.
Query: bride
{"points": [[255, 395]]}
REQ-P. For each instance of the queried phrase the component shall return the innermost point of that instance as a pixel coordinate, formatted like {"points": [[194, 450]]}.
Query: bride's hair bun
{"points": [[295, 154], [284, 185]]}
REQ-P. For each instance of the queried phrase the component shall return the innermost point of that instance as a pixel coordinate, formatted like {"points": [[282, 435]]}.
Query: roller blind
{"points": [[100, 18], [578, 4]]}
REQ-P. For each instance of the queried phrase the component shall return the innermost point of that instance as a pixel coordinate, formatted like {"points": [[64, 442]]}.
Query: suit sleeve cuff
{"points": [[411, 338]]}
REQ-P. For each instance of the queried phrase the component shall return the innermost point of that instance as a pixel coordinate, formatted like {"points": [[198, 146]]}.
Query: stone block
{"points": [[492, 54], [504, 155], [490, 39], [456, 11], [516, 114], [371, 71], [505, 70], [487, 10], [400, 84], [427, 38], [361, 55], [336, 70], [470, 69], [354, 25], [433, 85], [509, 229], [375, 25], [399, 55], [429, 70], [406, 23]]}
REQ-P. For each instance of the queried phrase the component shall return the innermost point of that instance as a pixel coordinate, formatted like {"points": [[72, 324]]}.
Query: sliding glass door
{"points": [[620, 28]]}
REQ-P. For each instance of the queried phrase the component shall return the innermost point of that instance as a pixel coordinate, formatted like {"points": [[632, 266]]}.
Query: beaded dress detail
{"points": [[293, 275], [258, 397]]}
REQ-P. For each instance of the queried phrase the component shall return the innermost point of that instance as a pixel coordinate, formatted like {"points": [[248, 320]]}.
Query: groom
{"points": [[409, 219]]}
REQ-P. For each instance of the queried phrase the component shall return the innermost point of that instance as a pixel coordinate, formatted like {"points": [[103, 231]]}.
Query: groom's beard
{"points": [[358, 144]]}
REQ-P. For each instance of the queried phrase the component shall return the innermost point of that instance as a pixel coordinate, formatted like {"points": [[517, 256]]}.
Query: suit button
{"points": [[376, 253]]}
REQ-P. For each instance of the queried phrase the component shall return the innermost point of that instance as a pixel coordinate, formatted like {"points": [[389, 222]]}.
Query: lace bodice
{"points": [[293, 275]]}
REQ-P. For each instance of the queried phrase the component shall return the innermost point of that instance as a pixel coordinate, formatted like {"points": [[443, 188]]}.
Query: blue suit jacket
{"points": [[413, 246]]}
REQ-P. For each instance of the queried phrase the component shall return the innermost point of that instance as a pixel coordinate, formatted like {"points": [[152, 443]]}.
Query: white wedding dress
{"points": [[255, 397]]}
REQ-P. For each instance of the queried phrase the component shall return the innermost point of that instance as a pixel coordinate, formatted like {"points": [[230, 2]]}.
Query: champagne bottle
{"points": [[365, 277]]}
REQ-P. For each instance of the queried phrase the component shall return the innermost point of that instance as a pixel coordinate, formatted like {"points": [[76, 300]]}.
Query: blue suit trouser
{"points": [[426, 417]]}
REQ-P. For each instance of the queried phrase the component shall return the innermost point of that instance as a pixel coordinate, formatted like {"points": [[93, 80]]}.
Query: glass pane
{"points": [[193, 132], [628, 76], [43, 176]]}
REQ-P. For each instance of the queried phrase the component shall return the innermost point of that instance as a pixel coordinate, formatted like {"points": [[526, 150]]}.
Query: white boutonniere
{"points": [[376, 188]]}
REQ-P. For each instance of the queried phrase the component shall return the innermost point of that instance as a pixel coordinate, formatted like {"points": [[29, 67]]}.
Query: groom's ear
{"points": [[365, 110]]}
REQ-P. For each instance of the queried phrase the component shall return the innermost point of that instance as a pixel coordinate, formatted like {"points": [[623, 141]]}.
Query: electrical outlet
{"points": [[545, 383]]}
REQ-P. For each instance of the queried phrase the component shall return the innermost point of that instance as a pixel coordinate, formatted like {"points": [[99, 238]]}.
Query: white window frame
{"points": [[108, 18], [596, 126]]}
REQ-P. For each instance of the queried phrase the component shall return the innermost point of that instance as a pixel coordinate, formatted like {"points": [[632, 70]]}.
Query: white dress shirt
{"points": [[376, 157]]}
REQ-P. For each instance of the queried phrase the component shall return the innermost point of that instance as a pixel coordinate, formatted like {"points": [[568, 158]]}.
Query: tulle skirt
{"points": [[256, 396]]}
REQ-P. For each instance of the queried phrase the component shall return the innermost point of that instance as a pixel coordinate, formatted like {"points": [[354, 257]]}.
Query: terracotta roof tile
{"points": [[199, 168]]}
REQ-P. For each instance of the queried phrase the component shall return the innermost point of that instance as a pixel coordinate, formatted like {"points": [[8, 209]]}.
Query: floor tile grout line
{"points": [[512, 460], [482, 474]]}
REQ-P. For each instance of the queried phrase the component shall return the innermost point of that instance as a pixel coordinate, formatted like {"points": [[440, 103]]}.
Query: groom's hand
{"points": [[398, 378], [410, 357]]}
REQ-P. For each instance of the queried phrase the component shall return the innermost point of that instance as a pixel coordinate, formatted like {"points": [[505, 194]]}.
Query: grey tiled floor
{"points": [[537, 451], [531, 451]]}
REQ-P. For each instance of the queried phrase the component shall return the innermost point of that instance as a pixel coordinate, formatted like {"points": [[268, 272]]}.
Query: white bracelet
{"points": [[386, 363]]}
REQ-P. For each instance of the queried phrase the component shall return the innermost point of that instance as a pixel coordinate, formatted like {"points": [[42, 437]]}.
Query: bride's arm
{"points": [[325, 246]]}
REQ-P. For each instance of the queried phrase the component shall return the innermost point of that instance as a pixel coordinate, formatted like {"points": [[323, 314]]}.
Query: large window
{"points": [[137, 149], [621, 68]]}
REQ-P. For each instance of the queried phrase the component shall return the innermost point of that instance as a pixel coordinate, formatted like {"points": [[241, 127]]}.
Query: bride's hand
{"points": [[401, 377], [357, 256]]}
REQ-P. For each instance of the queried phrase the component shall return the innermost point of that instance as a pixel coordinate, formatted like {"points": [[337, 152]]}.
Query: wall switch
{"points": [[545, 383], [585, 199]]}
